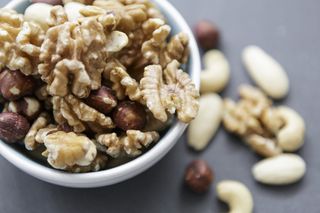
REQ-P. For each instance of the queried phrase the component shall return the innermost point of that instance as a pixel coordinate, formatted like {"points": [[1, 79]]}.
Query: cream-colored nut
{"points": [[205, 125], [291, 136], [217, 72], [116, 41], [236, 195], [73, 10], [267, 73], [280, 170], [38, 12], [263, 146], [68, 149], [272, 120]]}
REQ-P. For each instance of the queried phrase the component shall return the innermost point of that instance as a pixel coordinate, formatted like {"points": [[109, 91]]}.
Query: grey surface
{"points": [[290, 31]]}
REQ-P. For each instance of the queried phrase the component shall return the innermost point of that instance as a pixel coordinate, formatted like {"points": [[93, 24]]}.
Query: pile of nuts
{"points": [[270, 131], [91, 81]]}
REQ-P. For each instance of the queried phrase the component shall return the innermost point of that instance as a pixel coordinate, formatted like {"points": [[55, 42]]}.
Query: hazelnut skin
{"points": [[28, 107], [207, 35], [129, 115], [13, 127], [102, 100], [52, 2], [198, 176], [14, 85]]}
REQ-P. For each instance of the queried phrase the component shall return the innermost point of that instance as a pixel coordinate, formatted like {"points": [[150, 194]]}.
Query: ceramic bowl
{"points": [[20, 159]]}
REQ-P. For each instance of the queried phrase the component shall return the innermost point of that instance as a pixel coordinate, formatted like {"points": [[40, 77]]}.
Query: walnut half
{"points": [[68, 149], [130, 144], [174, 92]]}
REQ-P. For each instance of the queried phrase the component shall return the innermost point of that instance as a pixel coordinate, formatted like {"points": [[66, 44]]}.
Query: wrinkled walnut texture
{"points": [[68, 149]]}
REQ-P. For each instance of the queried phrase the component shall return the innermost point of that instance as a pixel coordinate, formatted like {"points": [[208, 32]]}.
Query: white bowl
{"points": [[127, 170]]}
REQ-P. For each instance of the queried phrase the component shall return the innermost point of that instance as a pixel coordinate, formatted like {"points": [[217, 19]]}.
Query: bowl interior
{"points": [[23, 160]]}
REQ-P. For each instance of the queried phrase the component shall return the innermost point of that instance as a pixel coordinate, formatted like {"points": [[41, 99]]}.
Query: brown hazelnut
{"points": [[27, 106], [52, 2], [129, 115], [198, 176], [13, 127], [14, 85], [102, 100], [207, 35]]}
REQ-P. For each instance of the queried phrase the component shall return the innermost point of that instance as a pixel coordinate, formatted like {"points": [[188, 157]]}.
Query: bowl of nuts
{"points": [[94, 92]]}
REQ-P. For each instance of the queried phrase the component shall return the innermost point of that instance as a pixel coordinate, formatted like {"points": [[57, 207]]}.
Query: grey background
{"points": [[290, 31]]}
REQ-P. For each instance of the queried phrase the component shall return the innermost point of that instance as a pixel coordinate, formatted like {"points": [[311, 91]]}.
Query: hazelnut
{"points": [[129, 115], [102, 100], [14, 85], [207, 34], [27, 106], [198, 176], [13, 127], [52, 2]]}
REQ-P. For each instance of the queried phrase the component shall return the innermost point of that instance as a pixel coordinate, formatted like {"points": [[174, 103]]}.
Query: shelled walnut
{"points": [[79, 115], [131, 143], [41, 122], [67, 149], [261, 126], [79, 50], [169, 91]]}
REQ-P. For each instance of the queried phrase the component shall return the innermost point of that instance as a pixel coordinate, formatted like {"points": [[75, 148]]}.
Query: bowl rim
{"points": [[129, 169]]}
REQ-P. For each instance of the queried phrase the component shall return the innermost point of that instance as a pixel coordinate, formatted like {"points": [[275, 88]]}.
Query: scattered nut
{"points": [[236, 195], [14, 85], [129, 115], [27, 106], [102, 99], [13, 127], [267, 130], [207, 34], [279, 170], [198, 176], [216, 74], [265, 147], [205, 125], [51, 2], [39, 13], [291, 136], [267, 73]]}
